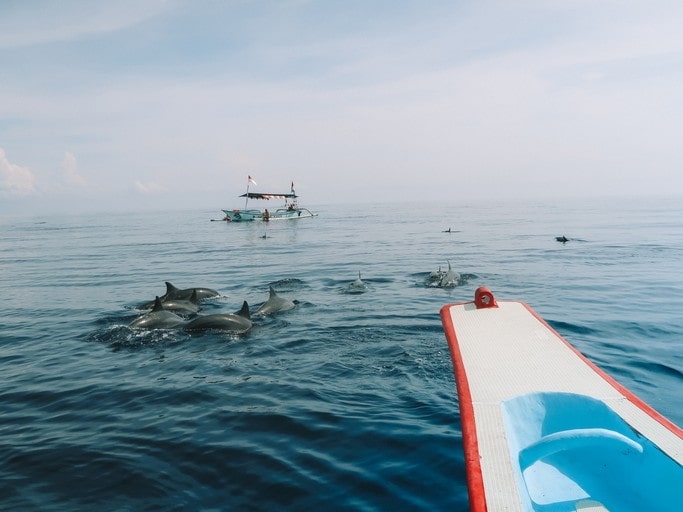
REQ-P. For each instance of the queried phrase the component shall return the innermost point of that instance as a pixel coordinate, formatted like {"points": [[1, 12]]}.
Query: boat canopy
{"points": [[254, 195]]}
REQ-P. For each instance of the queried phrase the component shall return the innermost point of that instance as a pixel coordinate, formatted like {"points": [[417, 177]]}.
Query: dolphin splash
{"points": [[158, 318], [274, 304]]}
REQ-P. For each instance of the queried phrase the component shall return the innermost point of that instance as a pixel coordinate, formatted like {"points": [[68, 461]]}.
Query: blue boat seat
{"points": [[574, 452], [574, 438]]}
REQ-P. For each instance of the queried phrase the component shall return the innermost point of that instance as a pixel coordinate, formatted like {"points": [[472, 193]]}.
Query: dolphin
{"points": [[450, 278], [186, 307], [238, 323], [358, 283], [435, 276], [274, 304], [177, 294], [433, 280], [562, 239], [357, 286], [158, 318]]}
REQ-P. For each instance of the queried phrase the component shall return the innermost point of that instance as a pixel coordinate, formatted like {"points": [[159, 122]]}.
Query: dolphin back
{"points": [[274, 304], [450, 278], [158, 306], [173, 292], [221, 322], [244, 311], [156, 319]]}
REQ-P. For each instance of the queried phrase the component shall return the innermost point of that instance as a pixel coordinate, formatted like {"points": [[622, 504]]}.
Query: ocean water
{"points": [[346, 402]]}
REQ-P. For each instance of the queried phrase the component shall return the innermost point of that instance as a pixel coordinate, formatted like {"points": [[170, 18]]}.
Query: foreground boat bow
{"points": [[544, 429]]}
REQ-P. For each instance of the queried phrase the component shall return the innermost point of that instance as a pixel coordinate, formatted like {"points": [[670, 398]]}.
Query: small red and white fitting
{"points": [[483, 298]]}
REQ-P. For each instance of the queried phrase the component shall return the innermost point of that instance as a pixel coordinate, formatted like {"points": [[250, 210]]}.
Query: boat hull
{"points": [[546, 429], [242, 215], [289, 214], [265, 215]]}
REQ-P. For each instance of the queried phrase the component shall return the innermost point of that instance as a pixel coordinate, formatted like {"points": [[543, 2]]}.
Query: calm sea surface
{"points": [[346, 402]]}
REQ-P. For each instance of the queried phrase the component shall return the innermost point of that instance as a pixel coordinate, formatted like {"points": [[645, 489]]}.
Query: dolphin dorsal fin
{"points": [[170, 287], [272, 292], [158, 306], [244, 312], [449, 265]]}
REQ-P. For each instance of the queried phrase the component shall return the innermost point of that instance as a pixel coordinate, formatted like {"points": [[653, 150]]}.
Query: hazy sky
{"points": [[134, 104]]}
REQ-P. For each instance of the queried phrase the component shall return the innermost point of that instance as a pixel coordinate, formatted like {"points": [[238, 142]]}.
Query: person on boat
{"points": [[266, 214]]}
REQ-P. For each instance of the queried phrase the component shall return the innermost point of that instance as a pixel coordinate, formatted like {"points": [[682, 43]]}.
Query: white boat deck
{"points": [[505, 351]]}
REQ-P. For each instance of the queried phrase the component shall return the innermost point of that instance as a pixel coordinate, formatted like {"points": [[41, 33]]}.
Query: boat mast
{"points": [[246, 199]]}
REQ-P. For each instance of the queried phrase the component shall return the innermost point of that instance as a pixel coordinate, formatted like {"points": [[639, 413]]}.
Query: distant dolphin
{"points": [[274, 304], [173, 293], [186, 307], [238, 323], [357, 286], [450, 278], [358, 283], [158, 318], [562, 239]]}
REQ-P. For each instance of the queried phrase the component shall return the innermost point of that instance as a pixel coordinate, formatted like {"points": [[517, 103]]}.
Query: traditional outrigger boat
{"points": [[544, 429], [290, 211]]}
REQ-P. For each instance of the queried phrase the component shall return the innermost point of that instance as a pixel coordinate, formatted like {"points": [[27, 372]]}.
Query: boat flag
{"points": [[252, 180]]}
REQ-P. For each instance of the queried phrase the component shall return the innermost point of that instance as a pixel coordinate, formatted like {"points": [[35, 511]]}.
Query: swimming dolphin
{"points": [[274, 304], [177, 294], [434, 278], [450, 278], [358, 283], [238, 323], [158, 318], [436, 275], [562, 239], [357, 286], [184, 307]]}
